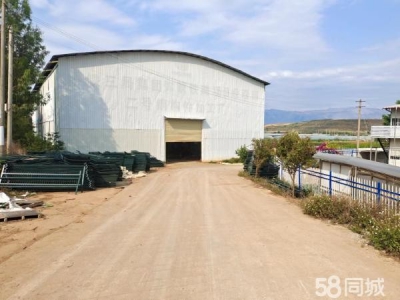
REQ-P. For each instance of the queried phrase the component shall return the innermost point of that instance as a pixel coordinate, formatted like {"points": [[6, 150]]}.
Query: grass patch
{"points": [[233, 160], [339, 127], [346, 144], [266, 184], [379, 225]]}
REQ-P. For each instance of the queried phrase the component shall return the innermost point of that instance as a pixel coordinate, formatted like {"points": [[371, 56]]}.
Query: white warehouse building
{"points": [[172, 104]]}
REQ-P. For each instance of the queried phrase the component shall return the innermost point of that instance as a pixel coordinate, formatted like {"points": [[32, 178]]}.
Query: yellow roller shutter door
{"points": [[183, 130]]}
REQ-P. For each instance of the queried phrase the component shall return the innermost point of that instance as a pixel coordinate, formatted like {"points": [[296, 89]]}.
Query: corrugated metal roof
{"points": [[390, 108], [377, 167], [54, 60]]}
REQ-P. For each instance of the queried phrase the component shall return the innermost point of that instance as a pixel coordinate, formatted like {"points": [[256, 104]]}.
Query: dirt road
{"points": [[193, 231]]}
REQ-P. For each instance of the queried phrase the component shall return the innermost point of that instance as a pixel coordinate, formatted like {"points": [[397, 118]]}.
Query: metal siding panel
{"points": [[86, 140], [137, 90], [46, 113]]}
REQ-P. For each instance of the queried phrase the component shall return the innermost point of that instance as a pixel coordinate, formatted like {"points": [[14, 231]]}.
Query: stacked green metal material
{"points": [[124, 159], [268, 170], [135, 161], [155, 163], [129, 161], [100, 171], [46, 167], [105, 170], [142, 161], [249, 161]]}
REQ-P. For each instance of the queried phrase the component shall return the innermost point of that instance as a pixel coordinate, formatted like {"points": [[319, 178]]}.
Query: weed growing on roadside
{"points": [[264, 183], [385, 235], [379, 225], [324, 207], [243, 174], [233, 160]]}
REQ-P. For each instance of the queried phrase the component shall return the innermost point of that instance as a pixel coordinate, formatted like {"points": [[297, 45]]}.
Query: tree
{"points": [[29, 56], [386, 118], [294, 152], [264, 151]]}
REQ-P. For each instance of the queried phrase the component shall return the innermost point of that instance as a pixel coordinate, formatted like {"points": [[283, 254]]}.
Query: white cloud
{"points": [[205, 24], [284, 25], [280, 41], [208, 6], [281, 24], [75, 26], [334, 87], [87, 11], [39, 3], [388, 46], [381, 71], [79, 37]]}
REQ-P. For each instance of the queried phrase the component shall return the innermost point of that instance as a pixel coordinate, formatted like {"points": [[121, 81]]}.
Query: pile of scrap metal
{"points": [[63, 170], [267, 170], [17, 208]]}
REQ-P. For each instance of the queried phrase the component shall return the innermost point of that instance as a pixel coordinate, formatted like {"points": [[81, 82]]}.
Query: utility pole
{"points": [[360, 102], [10, 91], [2, 75]]}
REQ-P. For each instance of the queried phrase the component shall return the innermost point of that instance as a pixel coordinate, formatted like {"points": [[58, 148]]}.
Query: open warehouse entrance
{"points": [[183, 139]]}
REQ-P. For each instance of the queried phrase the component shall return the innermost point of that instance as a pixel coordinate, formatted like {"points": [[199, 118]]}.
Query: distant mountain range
{"points": [[275, 116]]}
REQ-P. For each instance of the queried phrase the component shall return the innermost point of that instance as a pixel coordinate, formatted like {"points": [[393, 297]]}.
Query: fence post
{"points": [[330, 183], [299, 177], [378, 192]]}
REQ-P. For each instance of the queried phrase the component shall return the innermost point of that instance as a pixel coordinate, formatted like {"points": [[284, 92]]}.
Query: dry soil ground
{"points": [[189, 231]]}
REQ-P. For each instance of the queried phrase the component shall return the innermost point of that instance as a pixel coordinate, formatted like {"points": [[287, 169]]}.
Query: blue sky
{"points": [[316, 54]]}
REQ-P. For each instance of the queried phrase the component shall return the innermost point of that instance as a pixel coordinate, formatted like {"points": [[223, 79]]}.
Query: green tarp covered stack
{"points": [[268, 170], [123, 158], [142, 161]]}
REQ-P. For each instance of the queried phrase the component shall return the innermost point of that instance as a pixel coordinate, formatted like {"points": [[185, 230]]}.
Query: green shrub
{"points": [[381, 227], [325, 207], [385, 235], [307, 191], [51, 142], [242, 153], [362, 219]]}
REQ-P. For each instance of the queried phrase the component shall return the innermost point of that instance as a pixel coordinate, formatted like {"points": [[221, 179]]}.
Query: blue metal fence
{"points": [[374, 192]]}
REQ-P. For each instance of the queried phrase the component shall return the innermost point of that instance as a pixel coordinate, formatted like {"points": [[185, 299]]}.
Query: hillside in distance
{"points": [[274, 116], [340, 127]]}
